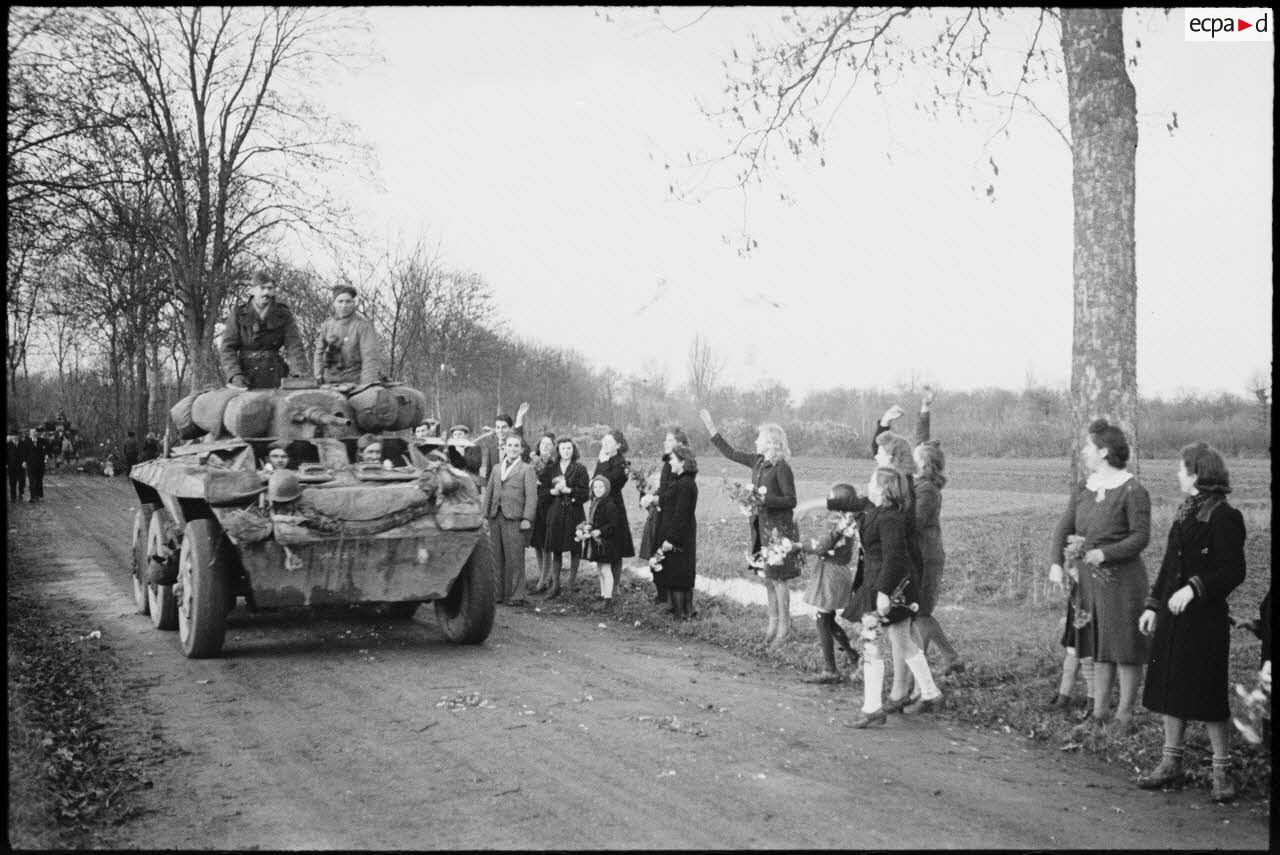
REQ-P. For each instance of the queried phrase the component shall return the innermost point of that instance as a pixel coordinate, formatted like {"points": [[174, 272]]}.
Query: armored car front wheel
{"points": [[202, 590], [466, 614]]}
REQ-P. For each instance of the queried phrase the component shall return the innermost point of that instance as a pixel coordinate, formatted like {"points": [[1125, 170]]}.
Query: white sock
{"points": [[606, 580], [872, 685], [924, 679]]}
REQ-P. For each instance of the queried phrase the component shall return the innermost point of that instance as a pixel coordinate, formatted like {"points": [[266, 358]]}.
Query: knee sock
{"points": [[1086, 672], [924, 679], [606, 580], [1069, 663], [825, 621], [615, 569], [872, 684]]}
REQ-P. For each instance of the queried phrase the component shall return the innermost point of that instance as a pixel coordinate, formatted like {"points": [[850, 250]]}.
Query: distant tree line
{"points": [[157, 155]]}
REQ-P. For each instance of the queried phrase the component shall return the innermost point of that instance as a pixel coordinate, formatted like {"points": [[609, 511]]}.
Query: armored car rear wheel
{"points": [[466, 614], [139, 570], [203, 589], [160, 602]]}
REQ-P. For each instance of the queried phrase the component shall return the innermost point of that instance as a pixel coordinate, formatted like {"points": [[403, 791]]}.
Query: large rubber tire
{"points": [[203, 589], [140, 569], [161, 605], [466, 614]]}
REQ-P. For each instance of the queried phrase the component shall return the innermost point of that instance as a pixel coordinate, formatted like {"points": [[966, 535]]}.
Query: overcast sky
{"points": [[529, 145]]}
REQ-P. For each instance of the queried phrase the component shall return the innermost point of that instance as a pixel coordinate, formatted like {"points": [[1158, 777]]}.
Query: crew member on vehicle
{"points": [[249, 348], [347, 349]]}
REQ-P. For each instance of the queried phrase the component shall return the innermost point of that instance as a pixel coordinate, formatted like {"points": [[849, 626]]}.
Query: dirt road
{"points": [[346, 730]]}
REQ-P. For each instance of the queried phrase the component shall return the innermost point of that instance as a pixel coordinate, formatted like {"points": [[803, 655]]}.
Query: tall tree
{"points": [[705, 368], [788, 87]]}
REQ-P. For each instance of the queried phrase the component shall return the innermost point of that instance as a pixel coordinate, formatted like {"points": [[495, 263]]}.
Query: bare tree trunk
{"points": [[142, 397], [1104, 134]]}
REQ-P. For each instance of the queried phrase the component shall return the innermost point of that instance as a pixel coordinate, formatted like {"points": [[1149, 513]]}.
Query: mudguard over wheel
{"points": [[140, 570], [203, 589], [161, 605], [466, 614]]}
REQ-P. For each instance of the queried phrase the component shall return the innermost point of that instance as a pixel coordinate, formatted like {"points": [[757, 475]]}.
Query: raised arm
{"points": [[886, 421], [922, 425]]}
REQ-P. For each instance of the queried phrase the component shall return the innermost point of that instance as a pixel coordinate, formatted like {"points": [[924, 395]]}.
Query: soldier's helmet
{"points": [[283, 486]]}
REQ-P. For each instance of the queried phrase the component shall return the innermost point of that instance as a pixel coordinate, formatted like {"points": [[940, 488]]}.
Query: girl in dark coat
{"points": [[567, 485], [677, 525], [1187, 677], [613, 466], [541, 462], [771, 471], [889, 583], [832, 584], [602, 515]]}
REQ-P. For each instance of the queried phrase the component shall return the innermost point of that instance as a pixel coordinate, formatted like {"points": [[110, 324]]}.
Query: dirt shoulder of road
{"points": [[565, 730]]}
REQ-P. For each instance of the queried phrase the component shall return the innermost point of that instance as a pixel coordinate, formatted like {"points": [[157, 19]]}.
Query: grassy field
{"points": [[996, 605]]}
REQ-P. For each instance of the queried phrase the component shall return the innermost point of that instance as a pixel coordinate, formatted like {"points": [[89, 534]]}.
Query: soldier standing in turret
{"points": [[256, 329], [347, 349]]}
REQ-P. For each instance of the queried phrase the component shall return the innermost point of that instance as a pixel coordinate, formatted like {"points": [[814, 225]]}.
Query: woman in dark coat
{"points": [[541, 462], [677, 525], [649, 502], [613, 466], [1112, 512], [567, 485], [883, 598], [1187, 677], [771, 471]]}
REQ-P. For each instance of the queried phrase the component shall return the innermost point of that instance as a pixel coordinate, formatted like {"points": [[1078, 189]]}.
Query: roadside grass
{"points": [[996, 604], [68, 782]]}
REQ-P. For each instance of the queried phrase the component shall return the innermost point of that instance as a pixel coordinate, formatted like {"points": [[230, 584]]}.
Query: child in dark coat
{"points": [[603, 522]]}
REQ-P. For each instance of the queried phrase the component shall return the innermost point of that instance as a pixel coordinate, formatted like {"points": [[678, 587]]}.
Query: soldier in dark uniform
{"points": [[14, 458], [256, 330], [130, 451]]}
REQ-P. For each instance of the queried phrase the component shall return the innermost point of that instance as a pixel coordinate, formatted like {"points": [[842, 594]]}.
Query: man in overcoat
{"points": [[256, 330], [33, 452], [347, 348]]}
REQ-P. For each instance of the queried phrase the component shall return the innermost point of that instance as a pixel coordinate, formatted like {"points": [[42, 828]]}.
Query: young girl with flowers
{"points": [[884, 598], [649, 502], [566, 481], [832, 585], [597, 535]]}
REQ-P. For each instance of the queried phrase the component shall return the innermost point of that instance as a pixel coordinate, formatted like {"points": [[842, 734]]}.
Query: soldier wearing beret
{"points": [[347, 349], [249, 348]]}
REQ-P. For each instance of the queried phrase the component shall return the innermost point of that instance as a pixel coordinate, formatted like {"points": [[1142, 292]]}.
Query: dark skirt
{"points": [[539, 531], [647, 545], [1188, 673], [621, 545], [791, 565], [1070, 635], [1115, 596], [563, 517]]}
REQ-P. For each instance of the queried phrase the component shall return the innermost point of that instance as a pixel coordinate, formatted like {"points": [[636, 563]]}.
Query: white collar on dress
{"points": [[1106, 479]]}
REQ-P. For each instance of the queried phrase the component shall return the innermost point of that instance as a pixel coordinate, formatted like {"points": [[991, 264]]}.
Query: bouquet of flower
{"points": [[749, 499], [772, 554], [642, 475], [655, 561], [843, 531], [872, 621], [1255, 724], [584, 532], [1072, 555]]}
